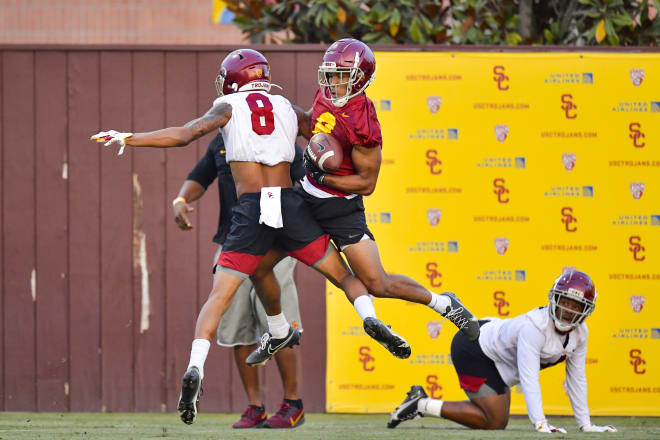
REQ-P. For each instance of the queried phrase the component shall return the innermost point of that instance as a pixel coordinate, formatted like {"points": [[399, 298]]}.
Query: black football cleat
{"points": [[408, 408], [269, 346], [191, 390], [382, 333], [462, 318]]}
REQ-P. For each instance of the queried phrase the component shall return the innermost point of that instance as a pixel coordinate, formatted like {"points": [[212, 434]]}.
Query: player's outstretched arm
{"points": [[367, 166], [216, 117]]}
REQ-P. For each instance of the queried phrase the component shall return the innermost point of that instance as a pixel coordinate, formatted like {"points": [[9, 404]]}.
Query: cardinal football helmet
{"points": [[243, 69], [355, 64], [577, 286]]}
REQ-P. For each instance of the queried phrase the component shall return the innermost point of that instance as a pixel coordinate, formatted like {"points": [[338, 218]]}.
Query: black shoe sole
{"points": [[189, 396], [374, 328]]}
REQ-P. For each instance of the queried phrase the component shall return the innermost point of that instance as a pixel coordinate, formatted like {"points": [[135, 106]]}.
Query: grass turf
{"points": [[317, 426]]}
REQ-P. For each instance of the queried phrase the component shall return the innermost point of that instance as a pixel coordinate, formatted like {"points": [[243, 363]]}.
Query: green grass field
{"points": [[317, 426]]}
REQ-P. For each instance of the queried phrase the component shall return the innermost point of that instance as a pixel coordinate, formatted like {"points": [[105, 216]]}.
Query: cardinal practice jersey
{"points": [[522, 346], [355, 123], [262, 128]]}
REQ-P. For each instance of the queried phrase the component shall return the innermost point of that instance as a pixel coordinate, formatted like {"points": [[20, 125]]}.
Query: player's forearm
{"points": [[304, 121], [165, 138], [354, 183], [191, 191]]}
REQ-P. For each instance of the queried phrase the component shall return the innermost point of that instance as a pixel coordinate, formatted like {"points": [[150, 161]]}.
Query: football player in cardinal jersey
{"points": [[514, 351], [342, 109], [259, 130]]}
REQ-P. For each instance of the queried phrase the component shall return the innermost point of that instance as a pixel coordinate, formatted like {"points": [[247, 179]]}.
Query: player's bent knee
{"points": [[378, 287], [497, 423]]}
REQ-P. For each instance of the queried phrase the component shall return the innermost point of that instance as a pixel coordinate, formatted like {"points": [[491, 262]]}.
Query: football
{"points": [[325, 151]]}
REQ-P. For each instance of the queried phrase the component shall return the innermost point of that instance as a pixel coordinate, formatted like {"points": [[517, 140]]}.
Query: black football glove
{"points": [[313, 170]]}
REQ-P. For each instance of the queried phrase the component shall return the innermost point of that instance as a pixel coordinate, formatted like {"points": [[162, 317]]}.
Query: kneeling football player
{"points": [[513, 351]]}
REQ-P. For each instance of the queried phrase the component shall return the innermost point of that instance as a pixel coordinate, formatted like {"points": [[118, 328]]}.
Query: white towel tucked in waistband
{"points": [[271, 206]]}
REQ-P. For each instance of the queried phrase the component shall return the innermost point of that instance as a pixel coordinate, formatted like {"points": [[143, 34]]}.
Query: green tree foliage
{"points": [[554, 22]]}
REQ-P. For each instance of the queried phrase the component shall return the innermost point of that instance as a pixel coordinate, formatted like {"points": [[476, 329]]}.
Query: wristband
{"points": [[177, 200]]}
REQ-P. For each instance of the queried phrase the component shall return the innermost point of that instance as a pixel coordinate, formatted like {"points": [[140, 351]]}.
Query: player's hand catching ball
{"points": [[112, 137], [313, 170]]}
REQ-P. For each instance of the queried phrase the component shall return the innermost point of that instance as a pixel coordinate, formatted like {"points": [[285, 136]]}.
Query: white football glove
{"points": [[594, 428], [112, 137], [543, 426]]}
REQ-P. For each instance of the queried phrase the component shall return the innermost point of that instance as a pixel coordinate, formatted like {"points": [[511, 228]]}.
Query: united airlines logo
{"points": [[569, 159], [501, 303], [637, 76], [501, 132], [433, 162], [637, 190], [366, 358], [433, 328], [433, 275], [636, 248], [500, 190], [432, 387], [568, 219], [637, 303], [568, 106], [500, 78], [434, 103], [637, 361], [433, 216], [636, 134], [501, 245]]}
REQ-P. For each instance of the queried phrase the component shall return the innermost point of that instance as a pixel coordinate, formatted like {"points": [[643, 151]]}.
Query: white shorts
{"points": [[245, 320]]}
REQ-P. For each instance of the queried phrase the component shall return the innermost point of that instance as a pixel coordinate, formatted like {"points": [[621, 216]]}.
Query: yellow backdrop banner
{"points": [[500, 170]]}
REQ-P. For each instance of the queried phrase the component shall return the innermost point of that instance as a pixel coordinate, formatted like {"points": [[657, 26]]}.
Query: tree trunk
{"points": [[525, 21]]}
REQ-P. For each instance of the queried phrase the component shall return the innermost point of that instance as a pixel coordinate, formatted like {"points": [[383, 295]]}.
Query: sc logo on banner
{"points": [[433, 275], [500, 190], [433, 387], [500, 78], [568, 106], [636, 361], [500, 303], [366, 358], [433, 162], [636, 247], [568, 219], [636, 134]]}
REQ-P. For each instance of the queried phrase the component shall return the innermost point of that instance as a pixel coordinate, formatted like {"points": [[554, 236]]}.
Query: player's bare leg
{"points": [[365, 261], [225, 285], [336, 271], [280, 333], [489, 412], [249, 376]]}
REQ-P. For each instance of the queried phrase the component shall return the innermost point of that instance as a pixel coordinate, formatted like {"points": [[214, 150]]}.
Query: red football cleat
{"points": [[287, 417], [252, 417]]}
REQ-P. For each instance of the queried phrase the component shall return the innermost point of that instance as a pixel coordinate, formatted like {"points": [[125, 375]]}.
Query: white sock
{"points": [[430, 407], [364, 305], [278, 326], [198, 353], [439, 303]]}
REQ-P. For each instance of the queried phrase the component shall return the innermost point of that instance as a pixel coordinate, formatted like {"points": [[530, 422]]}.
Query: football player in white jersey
{"points": [[259, 130], [514, 351]]}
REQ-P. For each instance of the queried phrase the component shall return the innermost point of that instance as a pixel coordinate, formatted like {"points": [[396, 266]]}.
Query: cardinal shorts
{"points": [[248, 240]]}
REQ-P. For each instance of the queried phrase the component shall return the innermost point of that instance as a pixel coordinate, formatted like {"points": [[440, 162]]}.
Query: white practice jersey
{"points": [[262, 128], [522, 346]]}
